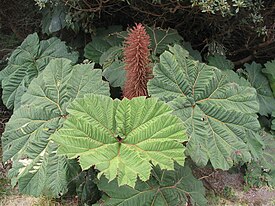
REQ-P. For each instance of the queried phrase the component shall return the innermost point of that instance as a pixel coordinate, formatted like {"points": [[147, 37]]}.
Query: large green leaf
{"points": [[195, 54], [115, 74], [273, 121], [54, 19], [268, 159], [226, 66], [43, 111], [260, 83], [235, 77], [104, 40], [164, 188], [122, 138], [269, 70], [86, 187], [262, 172], [220, 62], [220, 115], [113, 66], [26, 62], [160, 39]]}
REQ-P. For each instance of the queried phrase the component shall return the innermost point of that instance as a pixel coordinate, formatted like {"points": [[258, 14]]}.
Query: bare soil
{"points": [[18, 200], [230, 189]]}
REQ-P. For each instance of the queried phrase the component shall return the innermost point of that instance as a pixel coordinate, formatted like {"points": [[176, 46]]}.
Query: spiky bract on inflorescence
{"points": [[136, 57]]}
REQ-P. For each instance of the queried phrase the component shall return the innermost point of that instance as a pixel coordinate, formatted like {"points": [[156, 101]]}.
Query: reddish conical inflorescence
{"points": [[136, 57]]}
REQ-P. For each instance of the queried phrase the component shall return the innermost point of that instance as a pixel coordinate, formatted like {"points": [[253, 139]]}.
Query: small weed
{"points": [[228, 193], [212, 198], [5, 188]]}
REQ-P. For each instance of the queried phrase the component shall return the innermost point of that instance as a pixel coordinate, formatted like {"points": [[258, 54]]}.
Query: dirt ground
{"points": [[17, 200], [229, 189]]}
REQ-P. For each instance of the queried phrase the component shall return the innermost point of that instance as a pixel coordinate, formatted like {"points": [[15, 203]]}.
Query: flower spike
{"points": [[136, 57]]}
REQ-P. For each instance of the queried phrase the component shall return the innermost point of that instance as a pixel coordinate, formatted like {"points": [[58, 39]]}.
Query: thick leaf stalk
{"points": [[136, 58]]}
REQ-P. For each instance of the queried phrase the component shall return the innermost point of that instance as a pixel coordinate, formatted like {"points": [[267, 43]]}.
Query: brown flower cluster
{"points": [[136, 57]]}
